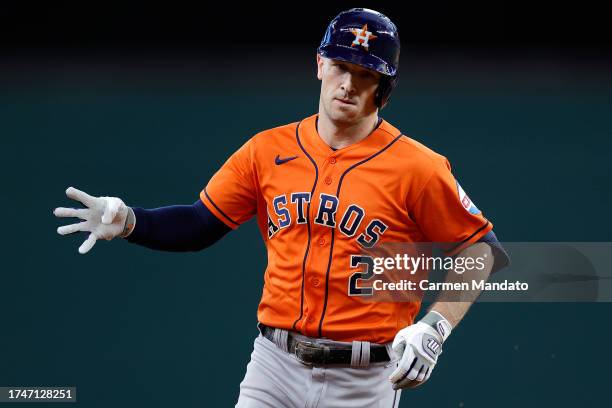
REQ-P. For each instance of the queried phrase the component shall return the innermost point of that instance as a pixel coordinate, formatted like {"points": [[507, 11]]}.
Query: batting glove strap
{"points": [[439, 323], [130, 223]]}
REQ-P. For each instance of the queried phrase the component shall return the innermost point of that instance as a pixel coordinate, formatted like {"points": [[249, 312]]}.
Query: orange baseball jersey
{"points": [[317, 206]]}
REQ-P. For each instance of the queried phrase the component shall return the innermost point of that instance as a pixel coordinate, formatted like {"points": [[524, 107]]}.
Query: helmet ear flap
{"points": [[385, 87]]}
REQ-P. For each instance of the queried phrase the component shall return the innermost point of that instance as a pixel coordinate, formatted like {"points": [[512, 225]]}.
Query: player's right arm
{"points": [[174, 228], [229, 199]]}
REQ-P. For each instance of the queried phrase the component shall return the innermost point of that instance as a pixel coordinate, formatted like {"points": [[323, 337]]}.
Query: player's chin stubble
{"points": [[340, 115]]}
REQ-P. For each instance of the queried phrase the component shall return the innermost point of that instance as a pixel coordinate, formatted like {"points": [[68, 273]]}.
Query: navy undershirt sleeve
{"points": [[501, 259], [177, 228]]}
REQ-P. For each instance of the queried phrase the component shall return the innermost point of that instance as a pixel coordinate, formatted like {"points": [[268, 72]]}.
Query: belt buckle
{"points": [[309, 353]]}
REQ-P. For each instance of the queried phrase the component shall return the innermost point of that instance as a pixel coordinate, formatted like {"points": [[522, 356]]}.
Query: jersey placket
{"points": [[323, 221]]}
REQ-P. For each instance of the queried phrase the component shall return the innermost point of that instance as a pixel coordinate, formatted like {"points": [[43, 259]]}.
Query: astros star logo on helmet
{"points": [[362, 36]]}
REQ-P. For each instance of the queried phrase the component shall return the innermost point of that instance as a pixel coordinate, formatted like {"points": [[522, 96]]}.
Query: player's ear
{"points": [[320, 62]]}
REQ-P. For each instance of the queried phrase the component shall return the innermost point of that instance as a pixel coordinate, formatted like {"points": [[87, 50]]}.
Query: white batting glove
{"points": [[419, 346], [104, 218]]}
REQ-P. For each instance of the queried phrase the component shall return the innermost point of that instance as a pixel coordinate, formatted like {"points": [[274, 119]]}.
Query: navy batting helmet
{"points": [[367, 38]]}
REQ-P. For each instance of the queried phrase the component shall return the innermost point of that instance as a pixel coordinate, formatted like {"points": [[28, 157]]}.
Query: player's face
{"points": [[347, 90]]}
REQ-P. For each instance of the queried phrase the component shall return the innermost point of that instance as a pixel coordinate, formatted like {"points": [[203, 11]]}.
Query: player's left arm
{"points": [[447, 217]]}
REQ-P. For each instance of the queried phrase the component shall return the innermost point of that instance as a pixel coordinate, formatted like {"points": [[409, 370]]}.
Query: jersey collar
{"points": [[375, 141]]}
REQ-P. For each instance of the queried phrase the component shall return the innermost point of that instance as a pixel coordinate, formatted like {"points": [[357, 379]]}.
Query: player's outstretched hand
{"points": [[104, 218], [419, 346]]}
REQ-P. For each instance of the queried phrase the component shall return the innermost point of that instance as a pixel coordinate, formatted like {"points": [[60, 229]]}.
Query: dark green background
{"points": [[529, 141]]}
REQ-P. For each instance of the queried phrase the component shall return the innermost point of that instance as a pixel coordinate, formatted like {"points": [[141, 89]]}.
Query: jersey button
{"points": [[322, 242], [332, 160], [315, 282], [328, 180]]}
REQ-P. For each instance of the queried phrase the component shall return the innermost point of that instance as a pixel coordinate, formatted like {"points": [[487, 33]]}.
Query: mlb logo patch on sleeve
{"points": [[465, 201]]}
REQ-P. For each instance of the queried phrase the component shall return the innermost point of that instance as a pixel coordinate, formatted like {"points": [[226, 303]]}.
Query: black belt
{"points": [[312, 353]]}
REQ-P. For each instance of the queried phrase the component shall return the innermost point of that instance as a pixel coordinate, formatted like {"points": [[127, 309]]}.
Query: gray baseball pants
{"points": [[277, 379]]}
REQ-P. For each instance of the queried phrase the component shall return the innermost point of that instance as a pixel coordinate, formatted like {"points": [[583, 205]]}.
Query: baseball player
{"points": [[323, 189]]}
